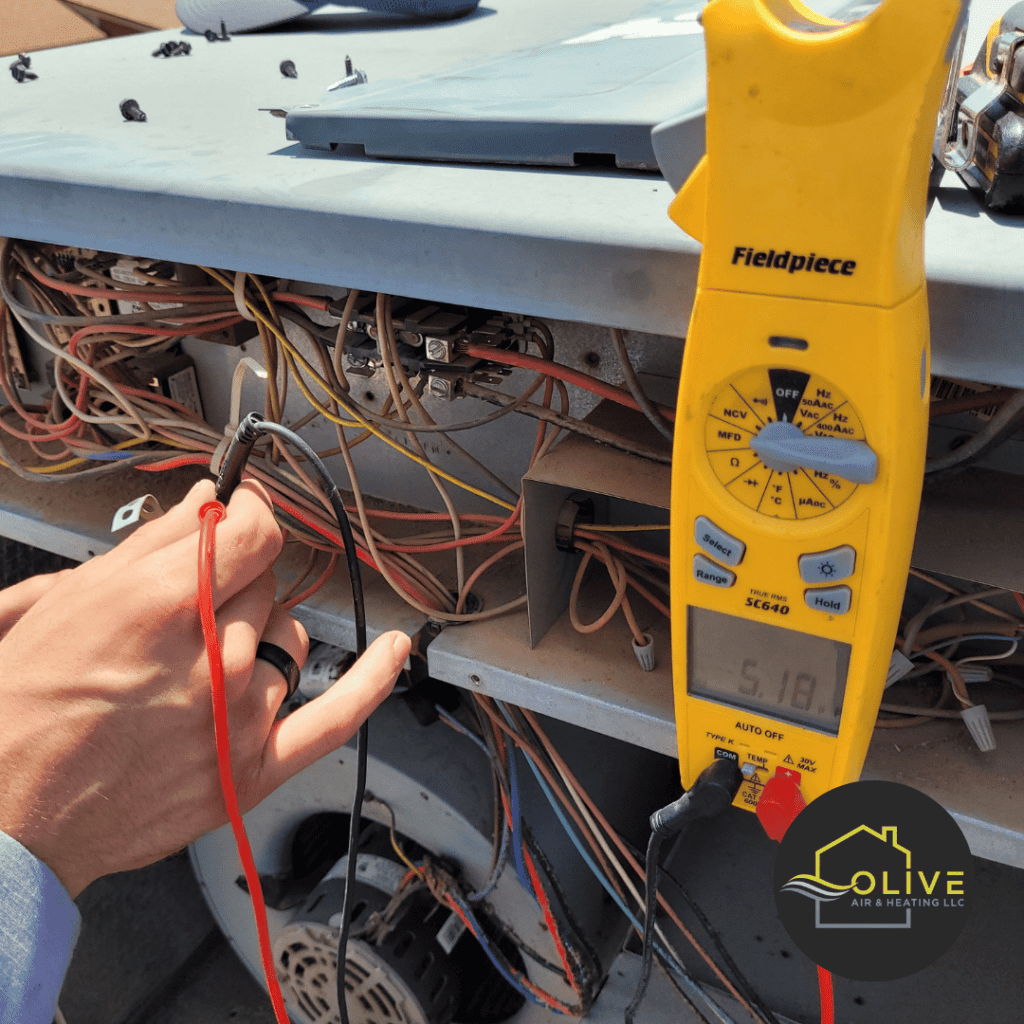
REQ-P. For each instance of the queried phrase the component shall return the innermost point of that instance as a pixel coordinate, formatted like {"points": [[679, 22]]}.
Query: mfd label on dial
{"points": [[765, 395]]}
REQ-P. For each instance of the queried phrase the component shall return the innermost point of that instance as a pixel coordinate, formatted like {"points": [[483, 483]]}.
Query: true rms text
{"points": [[811, 262]]}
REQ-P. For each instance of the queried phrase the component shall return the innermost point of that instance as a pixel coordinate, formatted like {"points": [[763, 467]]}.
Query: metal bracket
{"points": [[140, 510]]}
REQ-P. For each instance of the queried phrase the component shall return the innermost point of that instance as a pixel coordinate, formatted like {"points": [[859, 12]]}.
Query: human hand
{"points": [[107, 754], [17, 599]]}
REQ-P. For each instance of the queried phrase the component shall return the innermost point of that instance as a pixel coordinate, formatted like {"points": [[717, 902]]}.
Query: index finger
{"points": [[324, 724], [248, 541]]}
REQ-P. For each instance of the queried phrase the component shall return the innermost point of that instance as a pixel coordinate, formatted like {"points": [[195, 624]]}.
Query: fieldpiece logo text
{"points": [[788, 261]]}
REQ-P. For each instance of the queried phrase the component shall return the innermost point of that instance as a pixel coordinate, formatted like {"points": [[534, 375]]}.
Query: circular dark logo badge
{"points": [[873, 881]]}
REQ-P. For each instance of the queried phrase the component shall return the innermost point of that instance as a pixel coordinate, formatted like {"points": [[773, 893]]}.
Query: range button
{"points": [[705, 571], [717, 543]]}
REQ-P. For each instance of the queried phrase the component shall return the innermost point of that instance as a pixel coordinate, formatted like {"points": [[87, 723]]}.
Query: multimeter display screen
{"points": [[775, 672]]}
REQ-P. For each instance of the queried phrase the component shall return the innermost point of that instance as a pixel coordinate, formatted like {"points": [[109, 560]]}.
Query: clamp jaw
{"points": [[819, 134]]}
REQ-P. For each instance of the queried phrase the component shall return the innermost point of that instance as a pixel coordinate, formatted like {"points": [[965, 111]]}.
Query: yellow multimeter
{"points": [[802, 415]]}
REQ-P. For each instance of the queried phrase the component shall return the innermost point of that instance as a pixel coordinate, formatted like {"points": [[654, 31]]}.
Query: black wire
{"points": [[650, 910], [362, 739], [742, 982], [334, 497], [252, 425]]}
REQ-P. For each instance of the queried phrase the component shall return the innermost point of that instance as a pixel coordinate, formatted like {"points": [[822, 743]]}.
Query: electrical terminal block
{"points": [[138, 511], [444, 384], [426, 332]]}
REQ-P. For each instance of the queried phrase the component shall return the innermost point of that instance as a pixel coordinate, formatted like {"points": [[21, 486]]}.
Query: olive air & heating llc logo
{"points": [[873, 881]]}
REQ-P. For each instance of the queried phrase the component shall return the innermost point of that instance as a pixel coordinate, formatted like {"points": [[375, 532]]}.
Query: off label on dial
{"points": [[765, 395]]}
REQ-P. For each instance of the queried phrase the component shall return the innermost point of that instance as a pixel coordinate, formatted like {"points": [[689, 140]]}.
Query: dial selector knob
{"points": [[785, 447]]}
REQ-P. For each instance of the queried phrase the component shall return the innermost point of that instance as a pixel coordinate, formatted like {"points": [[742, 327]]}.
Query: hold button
{"points": [[831, 600]]}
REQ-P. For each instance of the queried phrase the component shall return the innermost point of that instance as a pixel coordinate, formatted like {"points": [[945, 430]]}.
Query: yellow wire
{"points": [[79, 461], [365, 424], [401, 853]]}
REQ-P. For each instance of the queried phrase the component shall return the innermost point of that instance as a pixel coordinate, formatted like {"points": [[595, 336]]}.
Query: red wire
{"points": [[153, 293], [566, 373], [204, 460], [549, 920], [209, 515], [155, 332], [314, 586], [485, 538], [183, 460], [364, 557], [825, 987], [614, 542]]}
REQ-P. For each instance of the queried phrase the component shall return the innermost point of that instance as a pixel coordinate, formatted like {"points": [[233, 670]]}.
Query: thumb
{"points": [[329, 721]]}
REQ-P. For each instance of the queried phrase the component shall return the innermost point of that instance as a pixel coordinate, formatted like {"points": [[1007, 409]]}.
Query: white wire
{"points": [[989, 657]]}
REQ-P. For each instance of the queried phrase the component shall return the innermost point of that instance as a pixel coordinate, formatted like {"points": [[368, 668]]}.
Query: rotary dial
{"points": [[787, 444]]}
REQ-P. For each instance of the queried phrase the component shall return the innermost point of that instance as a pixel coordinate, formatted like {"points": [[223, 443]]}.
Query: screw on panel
{"points": [[212, 36], [173, 48], [288, 69], [130, 111], [20, 69], [439, 387]]}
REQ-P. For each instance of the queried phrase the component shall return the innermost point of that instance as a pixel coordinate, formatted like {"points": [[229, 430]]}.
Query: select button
{"points": [[717, 543], [831, 600], [705, 571]]}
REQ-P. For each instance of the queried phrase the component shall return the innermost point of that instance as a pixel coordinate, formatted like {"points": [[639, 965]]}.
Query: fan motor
{"points": [[421, 968]]}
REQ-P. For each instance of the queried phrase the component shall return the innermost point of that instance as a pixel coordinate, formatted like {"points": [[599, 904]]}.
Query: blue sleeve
{"points": [[38, 928]]}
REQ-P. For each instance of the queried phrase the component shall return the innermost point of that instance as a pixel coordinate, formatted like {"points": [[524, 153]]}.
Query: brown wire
{"points": [[522, 741], [965, 403], [624, 850]]}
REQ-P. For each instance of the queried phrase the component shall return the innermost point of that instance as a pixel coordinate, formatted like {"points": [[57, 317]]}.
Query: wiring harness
{"points": [[931, 651], [100, 417]]}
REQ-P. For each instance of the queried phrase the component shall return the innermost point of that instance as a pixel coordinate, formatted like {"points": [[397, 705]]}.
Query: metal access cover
{"points": [[589, 99]]}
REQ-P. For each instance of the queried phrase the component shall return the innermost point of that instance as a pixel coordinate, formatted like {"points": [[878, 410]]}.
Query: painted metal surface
{"points": [[210, 179]]}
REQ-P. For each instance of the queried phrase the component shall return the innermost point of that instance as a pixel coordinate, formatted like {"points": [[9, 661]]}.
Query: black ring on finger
{"points": [[282, 661]]}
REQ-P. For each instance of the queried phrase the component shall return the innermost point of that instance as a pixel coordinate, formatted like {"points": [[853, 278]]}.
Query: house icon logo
{"points": [[873, 880], [883, 865]]}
